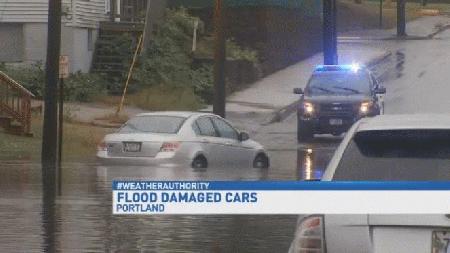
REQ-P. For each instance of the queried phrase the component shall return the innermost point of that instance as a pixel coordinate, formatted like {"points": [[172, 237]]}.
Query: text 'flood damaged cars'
{"points": [[335, 97], [199, 140]]}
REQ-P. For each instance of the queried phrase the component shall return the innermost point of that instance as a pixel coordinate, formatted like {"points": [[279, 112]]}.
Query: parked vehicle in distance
{"points": [[335, 97], [384, 148], [199, 140]]}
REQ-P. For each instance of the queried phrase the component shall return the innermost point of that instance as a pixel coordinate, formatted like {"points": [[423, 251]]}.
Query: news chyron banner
{"points": [[270, 197]]}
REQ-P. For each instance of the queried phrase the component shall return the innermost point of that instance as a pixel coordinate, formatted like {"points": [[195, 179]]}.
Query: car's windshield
{"points": [[153, 124], [401, 155], [338, 83]]}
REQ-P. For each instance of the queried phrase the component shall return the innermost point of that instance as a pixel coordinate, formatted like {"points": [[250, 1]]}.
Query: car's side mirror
{"points": [[298, 91], [243, 136], [380, 90]]}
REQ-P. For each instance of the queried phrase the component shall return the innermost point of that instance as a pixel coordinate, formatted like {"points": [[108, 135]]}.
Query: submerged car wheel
{"points": [[261, 162], [200, 162]]}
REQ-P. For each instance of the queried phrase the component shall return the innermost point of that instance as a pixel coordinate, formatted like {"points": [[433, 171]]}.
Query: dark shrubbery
{"points": [[168, 60], [167, 73], [78, 87], [31, 77]]}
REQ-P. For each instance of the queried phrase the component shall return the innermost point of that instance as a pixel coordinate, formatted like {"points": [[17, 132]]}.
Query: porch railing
{"points": [[15, 102], [128, 10]]}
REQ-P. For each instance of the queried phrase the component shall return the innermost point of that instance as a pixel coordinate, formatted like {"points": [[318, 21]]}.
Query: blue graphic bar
{"points": [[278, 185]]}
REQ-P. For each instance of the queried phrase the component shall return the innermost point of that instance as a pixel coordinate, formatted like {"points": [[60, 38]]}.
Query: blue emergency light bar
{"points": [[348, 67]]}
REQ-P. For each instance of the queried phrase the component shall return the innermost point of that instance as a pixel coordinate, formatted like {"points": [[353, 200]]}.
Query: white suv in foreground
{"points": [[384, 148]]}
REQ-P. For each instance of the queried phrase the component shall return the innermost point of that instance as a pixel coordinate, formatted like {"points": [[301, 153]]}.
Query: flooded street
{"points": [[83, 219], [80, 218]]}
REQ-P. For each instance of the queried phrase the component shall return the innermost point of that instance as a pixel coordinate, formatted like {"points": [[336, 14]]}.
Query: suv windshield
{"points": [[338, 83], [153, 124], [399, 155]]}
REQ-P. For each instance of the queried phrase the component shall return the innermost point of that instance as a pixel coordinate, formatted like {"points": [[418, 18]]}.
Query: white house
{"points": [[23, 30]]}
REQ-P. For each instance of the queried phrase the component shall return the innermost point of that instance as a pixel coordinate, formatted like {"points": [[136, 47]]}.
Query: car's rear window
{"points": [[411, 155], [153, 124]]}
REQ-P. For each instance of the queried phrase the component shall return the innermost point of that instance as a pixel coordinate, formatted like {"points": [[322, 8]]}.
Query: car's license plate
{"points": [[335, 122], [131, 146], [440, 242]]}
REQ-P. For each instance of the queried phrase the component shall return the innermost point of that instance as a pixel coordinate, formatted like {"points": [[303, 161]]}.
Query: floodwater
{"points": [[79, 217]]}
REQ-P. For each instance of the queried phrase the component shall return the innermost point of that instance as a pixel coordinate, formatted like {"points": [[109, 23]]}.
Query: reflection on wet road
{"points": [[313, 157], [82, 219]]}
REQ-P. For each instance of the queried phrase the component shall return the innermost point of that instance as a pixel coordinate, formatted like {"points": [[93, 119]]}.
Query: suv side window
{"points": [[206, 127], [224, 129]]}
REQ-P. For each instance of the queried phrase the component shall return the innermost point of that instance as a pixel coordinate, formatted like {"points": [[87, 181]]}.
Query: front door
{"points": [[234, 153]]}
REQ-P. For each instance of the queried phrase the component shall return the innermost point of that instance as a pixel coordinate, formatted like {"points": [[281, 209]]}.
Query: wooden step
{"points": [[5, 121], [15, 129]]}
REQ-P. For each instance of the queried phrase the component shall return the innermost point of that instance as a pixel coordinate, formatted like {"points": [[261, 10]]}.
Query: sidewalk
{"points": [[273, 94], [421, 28]]}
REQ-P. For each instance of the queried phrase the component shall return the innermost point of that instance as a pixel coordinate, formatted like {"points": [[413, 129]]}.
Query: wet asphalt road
{"points": [[416, 78]]}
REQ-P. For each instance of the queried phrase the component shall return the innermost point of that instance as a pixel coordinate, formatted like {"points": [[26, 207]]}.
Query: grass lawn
{"points": [[80, 142], [158, 98]]}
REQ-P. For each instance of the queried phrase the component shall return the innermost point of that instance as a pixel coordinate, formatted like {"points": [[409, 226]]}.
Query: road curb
{"points": [[281, 114]]}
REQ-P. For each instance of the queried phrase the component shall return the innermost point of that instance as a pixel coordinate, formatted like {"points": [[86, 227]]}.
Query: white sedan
{"points": [[384, 148], [199, 140]]}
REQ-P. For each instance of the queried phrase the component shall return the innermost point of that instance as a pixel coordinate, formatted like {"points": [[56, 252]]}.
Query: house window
{"points": [[12, 42], [90, 39]]}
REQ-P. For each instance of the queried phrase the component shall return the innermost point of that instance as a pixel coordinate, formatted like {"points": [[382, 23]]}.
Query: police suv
{"points": [[335, 97]]}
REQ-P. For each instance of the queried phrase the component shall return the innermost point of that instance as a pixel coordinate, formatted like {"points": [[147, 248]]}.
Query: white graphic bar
{"points": [[130, 202]]}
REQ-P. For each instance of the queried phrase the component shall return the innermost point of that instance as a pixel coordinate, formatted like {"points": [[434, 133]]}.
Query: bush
{"points": [[78, 87], [83, 87], [169, 60], [31, 77]]}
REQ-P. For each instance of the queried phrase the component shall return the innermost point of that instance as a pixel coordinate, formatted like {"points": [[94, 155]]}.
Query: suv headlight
{"points": [[309, 237], [308, 108], [365, 107]]}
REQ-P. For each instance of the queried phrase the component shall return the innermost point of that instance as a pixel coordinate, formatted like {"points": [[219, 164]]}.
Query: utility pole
{"points": [[401, 19], [50, 132], [380, 21], [219, 61], [329, 33], [148, 28], [153, 17]]}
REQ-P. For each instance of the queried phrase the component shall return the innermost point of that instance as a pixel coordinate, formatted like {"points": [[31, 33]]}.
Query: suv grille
{"points": [[336, 109]]}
